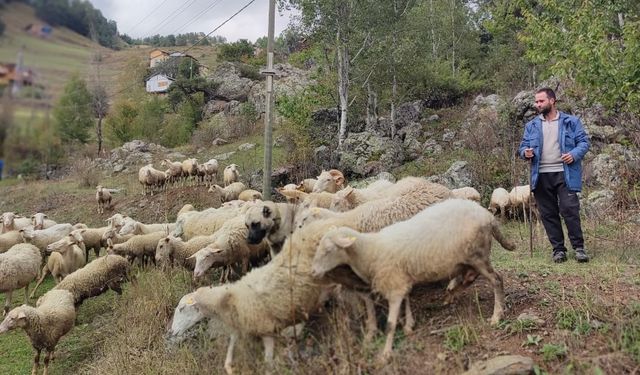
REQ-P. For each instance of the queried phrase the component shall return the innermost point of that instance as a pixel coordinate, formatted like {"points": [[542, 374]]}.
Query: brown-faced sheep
{"points": [[459, 234], [210, 171], [18, 268], [98, 276], [45, 324]]}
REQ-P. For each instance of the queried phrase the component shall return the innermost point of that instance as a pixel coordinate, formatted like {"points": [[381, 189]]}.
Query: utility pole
{"points": [[268, 118]]}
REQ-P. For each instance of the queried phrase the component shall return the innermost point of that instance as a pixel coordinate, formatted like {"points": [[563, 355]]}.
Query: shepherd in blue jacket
{"points": [[556, 142]]}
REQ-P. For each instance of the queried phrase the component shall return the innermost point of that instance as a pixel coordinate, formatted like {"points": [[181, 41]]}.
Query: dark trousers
{"points": [[554, 199]]}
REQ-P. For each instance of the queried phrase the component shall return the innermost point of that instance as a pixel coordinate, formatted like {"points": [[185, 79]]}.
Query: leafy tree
{"points": [[236, 51], [119, 126], [73, 114]]}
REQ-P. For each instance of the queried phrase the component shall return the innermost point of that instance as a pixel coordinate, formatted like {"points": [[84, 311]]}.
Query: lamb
{"points": [[230, 174], [499, 201], [174, 250], [18, 268], [203, 223], [45, 324], [329, 181], [40, 221], [11, 222], [189, 169], [42, 238], [322, 199], [96, 278], [7, 240], [271, 221], [103, 197], [283, 292], [249, 195], [137, 227], [229, 192], [139, 246], [229, 247], [174, 171], [307, 185], [66, 257], [466, 192], [92, 239], [447, 239]]}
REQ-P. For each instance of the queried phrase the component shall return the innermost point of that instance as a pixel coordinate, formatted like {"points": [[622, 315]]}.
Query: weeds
{"points": [[551, 352], [457, 337]]}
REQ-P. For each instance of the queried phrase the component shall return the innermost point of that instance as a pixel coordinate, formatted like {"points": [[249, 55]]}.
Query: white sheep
{"points": [[329, 181], [92, 239], [519, 197], [229, 247], [499, 201], [186, 208], [174, 171], [203, 223], [136, 227], [230, 174], [12, 221], [7, 240], [322, 199], [229, 192], [151, 179], [98, 276], [445, 240], [18, 268], [249, 195], [283, 292], [307, 185], [43, 238], [41, 221], [141, 246], [45, 324], [349, 198], [210, 170], [103, 198], [189, 169], [66, 256], [173, 250], [466, 192]]}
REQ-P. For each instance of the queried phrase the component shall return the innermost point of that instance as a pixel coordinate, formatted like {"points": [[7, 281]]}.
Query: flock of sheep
{"points": [[286, 258], [187, 172]]}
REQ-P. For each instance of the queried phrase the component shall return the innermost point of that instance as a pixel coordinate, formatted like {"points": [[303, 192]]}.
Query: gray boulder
{"points": [[599, 203], [288, 81], [502, 365], [361, 149], [457, 176], [232, 85]]}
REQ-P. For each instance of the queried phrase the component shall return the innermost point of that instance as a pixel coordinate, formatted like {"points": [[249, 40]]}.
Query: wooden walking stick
{"points": [[530, 162]]}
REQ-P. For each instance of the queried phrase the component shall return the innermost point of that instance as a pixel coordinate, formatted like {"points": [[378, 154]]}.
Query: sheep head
{"points": [[333, 250]]}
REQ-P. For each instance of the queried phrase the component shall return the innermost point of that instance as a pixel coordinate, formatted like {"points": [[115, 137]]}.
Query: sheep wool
{"points": [[18, 268]]}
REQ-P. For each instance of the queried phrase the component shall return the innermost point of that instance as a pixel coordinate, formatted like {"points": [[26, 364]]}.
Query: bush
{"points": [[86, 173], [236, 51]]}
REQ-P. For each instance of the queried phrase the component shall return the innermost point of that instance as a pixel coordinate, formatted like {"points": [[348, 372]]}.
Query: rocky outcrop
{"points": [[457, 176], [133, 154], [367, 153]]}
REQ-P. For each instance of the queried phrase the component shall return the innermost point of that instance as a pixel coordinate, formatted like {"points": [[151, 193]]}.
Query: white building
{"points": [[158, 83]]}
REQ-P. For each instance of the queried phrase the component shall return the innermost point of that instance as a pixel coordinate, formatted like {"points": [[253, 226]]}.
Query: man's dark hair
{"points": [[550, 93]]}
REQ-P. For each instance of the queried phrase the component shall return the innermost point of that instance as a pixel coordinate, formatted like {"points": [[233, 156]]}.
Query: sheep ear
{"points": [[46, 217], [21, 315], [339, 180], [33, 217], [344, 241], [83, 230], [266, 212], [166, 239]]}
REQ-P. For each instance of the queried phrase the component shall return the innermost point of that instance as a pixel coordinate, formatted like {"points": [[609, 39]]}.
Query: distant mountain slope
{"points": [[52, 59]]}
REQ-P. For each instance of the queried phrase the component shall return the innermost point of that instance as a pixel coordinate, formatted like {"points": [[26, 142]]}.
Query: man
{"points": [[555, 143]]}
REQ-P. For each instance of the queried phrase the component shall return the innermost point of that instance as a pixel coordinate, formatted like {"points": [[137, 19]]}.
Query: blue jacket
{"points": [[572, 139]]}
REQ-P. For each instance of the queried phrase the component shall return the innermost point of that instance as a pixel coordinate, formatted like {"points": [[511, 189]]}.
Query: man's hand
{"points": [[567, 158], [528, 153]]}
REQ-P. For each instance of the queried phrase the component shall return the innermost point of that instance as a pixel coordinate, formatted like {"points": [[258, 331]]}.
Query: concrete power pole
{"points": [[268, 119]]}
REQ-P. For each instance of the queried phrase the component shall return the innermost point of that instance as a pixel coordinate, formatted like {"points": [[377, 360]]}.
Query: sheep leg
{"points": [[395, 302], [47, 358], [485, 269], [372, 323], [43, 274], [229, 359], [269, 344], [409, 321], [7, 302], [26, 294], [36, 362]]}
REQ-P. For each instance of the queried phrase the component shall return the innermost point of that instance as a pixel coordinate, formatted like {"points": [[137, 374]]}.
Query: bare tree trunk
{"points": [[99, 133], [372, 107], [433, 31], [343, 86], [453, 31], [621, 20], [394, 87]]}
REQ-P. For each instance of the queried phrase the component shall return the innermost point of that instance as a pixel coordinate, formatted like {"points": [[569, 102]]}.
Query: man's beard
{"points": [[545, 110]]}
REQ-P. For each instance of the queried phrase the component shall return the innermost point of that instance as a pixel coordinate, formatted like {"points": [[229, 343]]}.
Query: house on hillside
{"points": [[157, 56], [41, 30], [9, 75], [158, 83]]}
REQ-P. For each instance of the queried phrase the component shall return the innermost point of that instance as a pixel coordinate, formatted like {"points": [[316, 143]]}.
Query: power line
{"points": [[179, 11], [202, 13], [147, 16], [195, 44]]}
